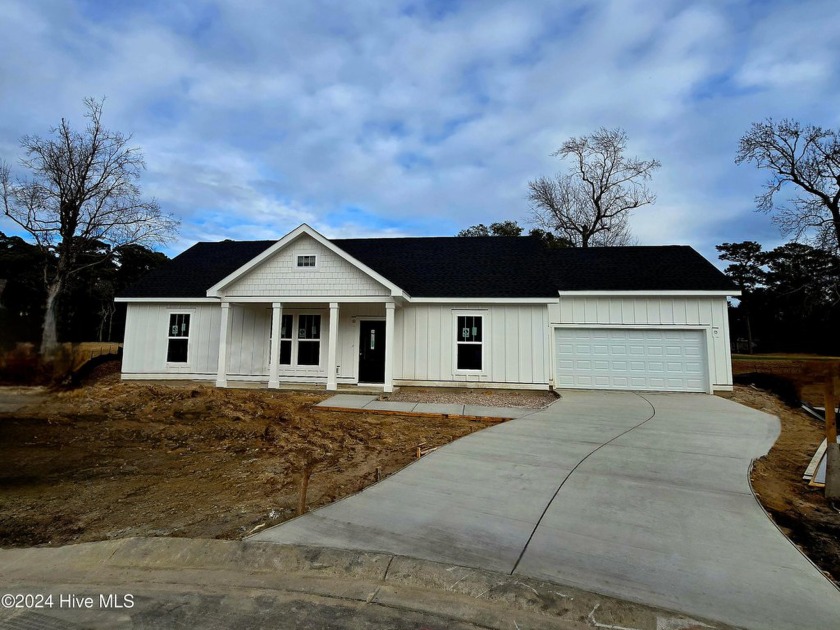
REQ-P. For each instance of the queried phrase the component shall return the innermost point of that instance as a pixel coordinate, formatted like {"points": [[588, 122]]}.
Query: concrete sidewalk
{"points": [[177, 582], [644, 497], [359, 402]]}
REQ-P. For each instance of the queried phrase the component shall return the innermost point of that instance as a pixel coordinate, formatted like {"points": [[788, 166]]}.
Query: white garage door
{"points": [[607, 358]]}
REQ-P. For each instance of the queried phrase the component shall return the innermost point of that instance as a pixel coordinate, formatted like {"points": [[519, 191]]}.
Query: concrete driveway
{"points": [[639, 496]]}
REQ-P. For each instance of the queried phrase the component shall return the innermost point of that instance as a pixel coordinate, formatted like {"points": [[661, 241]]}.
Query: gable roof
{"points": [[301, 230], [466, 267]]}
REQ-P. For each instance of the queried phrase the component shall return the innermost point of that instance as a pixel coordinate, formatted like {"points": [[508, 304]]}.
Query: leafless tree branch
{"points": [[591, 204], [82, 187], [807, 157]]}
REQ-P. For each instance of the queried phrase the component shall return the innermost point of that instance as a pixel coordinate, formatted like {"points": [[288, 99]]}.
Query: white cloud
{"points": [[258, 116]]}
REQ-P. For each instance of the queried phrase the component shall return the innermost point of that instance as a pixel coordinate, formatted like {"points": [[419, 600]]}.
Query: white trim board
{"points": [[733, 293], [168, 300]]}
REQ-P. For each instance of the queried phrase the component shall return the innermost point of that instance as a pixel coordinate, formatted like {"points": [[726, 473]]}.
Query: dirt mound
{"points": [[125, 459], [801, 511]]}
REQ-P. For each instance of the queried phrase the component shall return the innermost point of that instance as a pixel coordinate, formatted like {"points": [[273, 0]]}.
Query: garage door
{"points": [[659, 360]]}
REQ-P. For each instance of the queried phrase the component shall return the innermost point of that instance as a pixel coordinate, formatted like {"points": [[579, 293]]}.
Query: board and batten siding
{"points": [[706, 313], [279, 276], [516, 350], [146, 339]]}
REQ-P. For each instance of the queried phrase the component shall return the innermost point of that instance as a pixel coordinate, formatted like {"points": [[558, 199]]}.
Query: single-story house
{"points": [[453, 311]]}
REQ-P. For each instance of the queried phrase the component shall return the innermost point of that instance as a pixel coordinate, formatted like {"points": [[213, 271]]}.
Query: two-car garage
{"points": [[657, 359]]}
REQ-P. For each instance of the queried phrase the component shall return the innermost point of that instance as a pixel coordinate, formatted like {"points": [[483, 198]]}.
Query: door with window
{"points": [[371, 351]]}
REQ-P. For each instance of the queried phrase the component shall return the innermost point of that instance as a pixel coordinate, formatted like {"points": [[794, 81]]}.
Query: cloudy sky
{"points": [[420, 118]]}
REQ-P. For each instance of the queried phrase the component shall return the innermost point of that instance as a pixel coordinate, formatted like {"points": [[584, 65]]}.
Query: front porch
{"points": [[321, 344]]}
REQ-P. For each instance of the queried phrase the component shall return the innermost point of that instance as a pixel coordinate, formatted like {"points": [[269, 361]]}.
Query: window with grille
{"points": [[308, 260], [469, 341], [178, 346], [286, 327], [309, 339]]}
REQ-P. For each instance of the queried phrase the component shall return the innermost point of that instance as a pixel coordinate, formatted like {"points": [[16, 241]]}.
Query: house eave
{"points": [[483, 300], [170, 300], [650, 293]]}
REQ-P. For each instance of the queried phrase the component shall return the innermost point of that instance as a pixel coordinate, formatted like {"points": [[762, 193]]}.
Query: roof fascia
{"points": [[732, 293], [171, 300], [480, 300]]}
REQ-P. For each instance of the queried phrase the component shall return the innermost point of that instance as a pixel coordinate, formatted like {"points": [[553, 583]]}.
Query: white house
{"points": [[482, 311]]}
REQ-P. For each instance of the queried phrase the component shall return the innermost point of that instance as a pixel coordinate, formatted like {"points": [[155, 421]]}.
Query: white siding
{"points": [[515, 344], [146, 339], [248, 341], [706, 313], [279, 276]]}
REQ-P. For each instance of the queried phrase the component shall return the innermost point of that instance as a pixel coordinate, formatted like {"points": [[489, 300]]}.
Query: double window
{"points": [[307, 260], [178, 343], [469, 339], [301, 332]]}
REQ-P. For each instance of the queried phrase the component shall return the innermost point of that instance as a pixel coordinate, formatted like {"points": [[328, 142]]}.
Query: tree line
{"points": [[86, 310], [790, 298], [91, 231]]}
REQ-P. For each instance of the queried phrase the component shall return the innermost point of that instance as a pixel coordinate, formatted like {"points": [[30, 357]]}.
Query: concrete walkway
{"points": [[643, 497], [358, 402]]}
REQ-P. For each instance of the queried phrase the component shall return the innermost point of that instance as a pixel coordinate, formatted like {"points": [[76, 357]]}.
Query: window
{"points": [[177, 350], [286, 340], [309, 339], [309, 260], [469, 341]]}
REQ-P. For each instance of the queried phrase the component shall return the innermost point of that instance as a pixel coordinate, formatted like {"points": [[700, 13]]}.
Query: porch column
{"points": [[332, 349], [221, 375], [274, 353], [389, 346]]}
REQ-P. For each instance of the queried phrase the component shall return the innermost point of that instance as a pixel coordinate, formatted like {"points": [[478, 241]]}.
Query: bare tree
{"points": [[590, 204], [808, 157], [82, 187]]}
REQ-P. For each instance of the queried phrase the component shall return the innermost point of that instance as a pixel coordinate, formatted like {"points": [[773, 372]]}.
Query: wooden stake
{"points": [[304, 486], [830, 407], [832, 451]]}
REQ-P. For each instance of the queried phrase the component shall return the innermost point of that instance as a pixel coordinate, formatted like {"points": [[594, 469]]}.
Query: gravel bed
{"points": [[527, 399]]}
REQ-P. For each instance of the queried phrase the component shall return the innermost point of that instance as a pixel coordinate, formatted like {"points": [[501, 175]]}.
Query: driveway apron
{"points": [[640, 496]]}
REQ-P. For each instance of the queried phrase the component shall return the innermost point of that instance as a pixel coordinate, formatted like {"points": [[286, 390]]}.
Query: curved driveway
{"points": [[639, 496]]}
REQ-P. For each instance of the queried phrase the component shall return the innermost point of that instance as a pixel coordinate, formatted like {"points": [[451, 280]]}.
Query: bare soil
{"points": [[800, 511], [522, 398], [113, 459]]}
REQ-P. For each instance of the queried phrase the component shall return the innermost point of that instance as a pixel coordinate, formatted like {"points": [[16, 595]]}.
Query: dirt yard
{"points": [[114, 459], [801, 512]]}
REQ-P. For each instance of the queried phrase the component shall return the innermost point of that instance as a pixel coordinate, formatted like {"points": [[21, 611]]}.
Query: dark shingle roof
{"points": [[646, 268], [200, 267], [491, 267], [482, 266]]}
